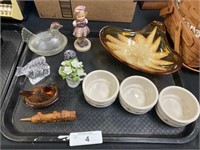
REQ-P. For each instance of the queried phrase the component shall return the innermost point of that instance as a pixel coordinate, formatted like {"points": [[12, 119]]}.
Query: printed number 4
{"points": [[87, 138]]}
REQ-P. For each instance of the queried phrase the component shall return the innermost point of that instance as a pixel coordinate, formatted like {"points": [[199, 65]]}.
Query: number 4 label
{"points": [[85, 138]]}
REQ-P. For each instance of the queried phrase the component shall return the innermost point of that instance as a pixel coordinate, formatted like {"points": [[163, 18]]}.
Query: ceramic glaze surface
{"points": [[178, 106], [138, 94], [172, 104], [135, 94], [100, 89]]}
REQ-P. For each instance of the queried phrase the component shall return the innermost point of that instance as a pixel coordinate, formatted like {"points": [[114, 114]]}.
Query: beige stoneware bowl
{"points": [[138, 94], [177, 106], [100, 88]]}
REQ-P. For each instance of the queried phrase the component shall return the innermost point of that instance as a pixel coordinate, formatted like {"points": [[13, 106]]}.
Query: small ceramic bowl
{"points": [[100, 88], [177, 106], [138, 94]]}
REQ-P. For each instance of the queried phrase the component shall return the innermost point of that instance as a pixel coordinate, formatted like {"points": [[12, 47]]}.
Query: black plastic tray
{"points": [[116, 124], [11, 47]]}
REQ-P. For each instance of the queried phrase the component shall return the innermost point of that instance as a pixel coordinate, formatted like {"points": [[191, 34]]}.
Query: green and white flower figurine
{"points": [[71, 69]]}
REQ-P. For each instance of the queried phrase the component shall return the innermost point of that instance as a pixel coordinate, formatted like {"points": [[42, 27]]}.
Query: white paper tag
{"points": [[85, 138]]}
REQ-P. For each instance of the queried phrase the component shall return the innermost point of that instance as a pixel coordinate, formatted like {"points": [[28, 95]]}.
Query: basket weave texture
{"points": [[185, 41]]}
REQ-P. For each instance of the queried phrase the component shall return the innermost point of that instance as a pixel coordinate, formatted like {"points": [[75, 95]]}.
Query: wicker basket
{"points": [[185, 41]]}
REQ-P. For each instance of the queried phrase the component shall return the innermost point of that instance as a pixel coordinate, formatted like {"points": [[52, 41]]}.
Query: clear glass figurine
{"points": [[81, 29], [35, 70]]}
